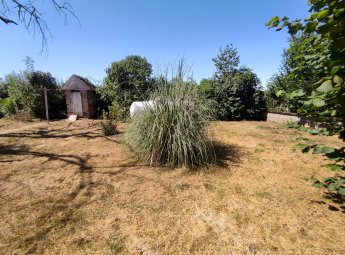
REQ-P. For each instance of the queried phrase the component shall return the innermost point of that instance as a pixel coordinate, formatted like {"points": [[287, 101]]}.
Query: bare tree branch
{"points": [[7, 21], [27, 13]]}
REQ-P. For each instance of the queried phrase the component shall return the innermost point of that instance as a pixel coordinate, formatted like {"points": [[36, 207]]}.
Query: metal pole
{"points": [[46, 104]]}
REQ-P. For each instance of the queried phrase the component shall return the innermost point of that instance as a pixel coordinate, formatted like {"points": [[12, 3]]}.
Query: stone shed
{"points": [[80, 97]]}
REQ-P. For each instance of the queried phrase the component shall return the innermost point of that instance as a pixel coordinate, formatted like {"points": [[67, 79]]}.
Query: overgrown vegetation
{"points": [[127, 80], [335, 185], [111, 119], [23, 93], [285, 82], [108, 126], [235, 90], [321, 56], [173, 131], [312, 131]]}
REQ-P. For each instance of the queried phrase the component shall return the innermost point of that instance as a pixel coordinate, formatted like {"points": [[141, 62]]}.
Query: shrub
{"points": [[291, 124], [22, 117], [26, 90], [108, 126], [173, 131], [7, 107], [126, 81], [111, 119]]}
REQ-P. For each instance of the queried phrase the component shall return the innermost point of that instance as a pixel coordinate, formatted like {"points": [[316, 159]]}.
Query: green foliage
{"points": [[238, 97], [324, 51], [26, 91], [226, 62], [3, 89], [284, 81], [205, 86], [116, 112], [108, 126], [291, 124], [312, 131], [111, 119], [235, 91], [7, 107], [334, 185], [173, 132], [127, 80]]}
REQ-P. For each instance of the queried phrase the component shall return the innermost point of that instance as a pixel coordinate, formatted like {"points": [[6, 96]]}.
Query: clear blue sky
{"points": [[161, 30]]}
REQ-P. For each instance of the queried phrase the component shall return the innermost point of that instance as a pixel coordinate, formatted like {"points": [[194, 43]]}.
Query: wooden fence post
{"points": [[46, 104]]}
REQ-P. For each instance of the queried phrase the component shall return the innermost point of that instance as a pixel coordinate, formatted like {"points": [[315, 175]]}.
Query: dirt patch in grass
{"points": [[65, 189]]}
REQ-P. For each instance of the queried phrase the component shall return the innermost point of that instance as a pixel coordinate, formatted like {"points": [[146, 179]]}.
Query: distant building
{"points": [[80, 97]]}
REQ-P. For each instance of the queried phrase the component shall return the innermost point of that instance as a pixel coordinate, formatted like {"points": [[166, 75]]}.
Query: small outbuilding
{"points": [[80, 97]]}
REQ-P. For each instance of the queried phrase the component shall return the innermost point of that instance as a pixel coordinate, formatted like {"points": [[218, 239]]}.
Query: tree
{"points": [[325, 53], [226, 62], [3, 89], [27, 13], [205, 86], [285, 81], [234, 89], [239, 97], [127, 80], [25, 90]]}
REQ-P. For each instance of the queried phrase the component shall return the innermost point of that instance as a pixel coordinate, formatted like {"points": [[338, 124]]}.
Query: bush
{"points": [[7, 107], [173, 131], [126, 81], [22, 117], [26, 90], [108, 126], [111, 119]]}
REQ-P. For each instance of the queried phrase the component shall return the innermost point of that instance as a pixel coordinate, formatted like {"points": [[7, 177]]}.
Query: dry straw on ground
{"points": [[65, 189]]}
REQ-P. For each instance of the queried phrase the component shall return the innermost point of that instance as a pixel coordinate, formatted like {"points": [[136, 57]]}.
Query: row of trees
{"points": [[234, 90], [23, 93]]}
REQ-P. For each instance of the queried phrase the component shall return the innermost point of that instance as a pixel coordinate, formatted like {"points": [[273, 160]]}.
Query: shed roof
{"points": [[76, 82]]}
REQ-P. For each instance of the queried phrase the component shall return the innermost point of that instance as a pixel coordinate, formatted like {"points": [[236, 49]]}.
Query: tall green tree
{"points": [[127, 80], [226, 62], [25, 89], [325, 53], [235, 90], [286, 81]]}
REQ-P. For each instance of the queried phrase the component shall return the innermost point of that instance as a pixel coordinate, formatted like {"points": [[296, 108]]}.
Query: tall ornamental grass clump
{"points": [[173, 131]]}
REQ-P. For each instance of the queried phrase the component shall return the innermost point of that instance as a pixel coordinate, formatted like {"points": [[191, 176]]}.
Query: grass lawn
{"points": [[64, 189]]}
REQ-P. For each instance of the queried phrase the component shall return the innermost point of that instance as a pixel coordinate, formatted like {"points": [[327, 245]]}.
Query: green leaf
{"points": [[280, 93], [310, 27], [314, 132], [317, 102], [331, 187], [335, 167], [328, 150], [322, 14], [338, 80], [326, 133], [318, 184], [341, 191], [317, 150], [335, 70], [325, 86], [273, 22]]}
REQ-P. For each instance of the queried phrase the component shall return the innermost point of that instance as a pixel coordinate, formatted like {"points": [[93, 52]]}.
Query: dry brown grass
{"points": [[64, 189]]}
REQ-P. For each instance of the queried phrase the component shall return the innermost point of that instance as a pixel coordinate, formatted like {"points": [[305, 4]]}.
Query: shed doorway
{"points": [[76, 104], [81, 98]]}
